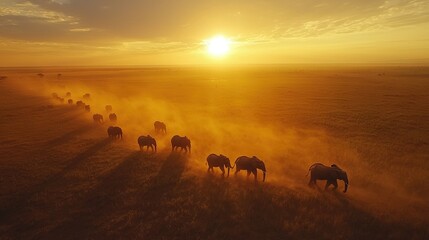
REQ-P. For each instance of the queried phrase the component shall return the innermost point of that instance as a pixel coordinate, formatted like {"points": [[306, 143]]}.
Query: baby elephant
{"points": [[86, 96], [220, 161], [182, 142], [87, 108], [147, 141], [251, 164], [114, 132], [98, 118], [70, 101], [160, 127], [113, 117], [331, 174]]}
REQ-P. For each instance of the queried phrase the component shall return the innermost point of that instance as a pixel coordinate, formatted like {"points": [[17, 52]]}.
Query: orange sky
{"points": [[138, 32]]}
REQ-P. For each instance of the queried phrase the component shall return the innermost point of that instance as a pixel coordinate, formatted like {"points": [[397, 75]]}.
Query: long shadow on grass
{"points": [[22, 199], [68, 136]]}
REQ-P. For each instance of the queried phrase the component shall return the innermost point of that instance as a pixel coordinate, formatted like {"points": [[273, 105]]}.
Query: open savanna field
{"points": [[61, 177]]}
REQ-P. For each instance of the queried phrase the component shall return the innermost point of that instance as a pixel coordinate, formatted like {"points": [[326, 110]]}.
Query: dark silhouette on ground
{"points": [[68, 136], [87, 108], [148, 142], [219, 161], [160, 127], [251, 164], [184, 143], [109, 108], [98, 118], [70, 101], [319, 171], [113, 117], [114, 132]]}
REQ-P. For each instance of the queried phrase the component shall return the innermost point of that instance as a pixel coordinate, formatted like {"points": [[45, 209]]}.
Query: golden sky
{"points": [[139, 32]]}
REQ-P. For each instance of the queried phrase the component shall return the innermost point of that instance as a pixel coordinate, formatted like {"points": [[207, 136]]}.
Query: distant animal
{"points": [[40, 75], [86, 96], [70, 101], [59, 75], [183, 142], [80, 104], [109, 108], [113, 117], [318, 171], [114, 132], [219, 161], [98, 118], [68, 94], [147, 141], [160, 127], [251, 164], [87, 108]]}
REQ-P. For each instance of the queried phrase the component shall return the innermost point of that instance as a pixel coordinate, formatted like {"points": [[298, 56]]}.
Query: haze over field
{"points": [[369, 121]]}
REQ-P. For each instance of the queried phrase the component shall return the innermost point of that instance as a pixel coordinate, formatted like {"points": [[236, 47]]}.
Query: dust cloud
{"points": [[244, 112]]}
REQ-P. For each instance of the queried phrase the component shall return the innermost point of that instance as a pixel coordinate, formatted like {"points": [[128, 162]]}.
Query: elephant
{"points": [[98, 118], [68, 94], [147, 141], [86, 96], [114, 132], [160, 127], [182, 142], [70, 101], [331, 174], [220, 161], [109, 108], [113, 117], [87, 108], [251, 164], [80, 104]]}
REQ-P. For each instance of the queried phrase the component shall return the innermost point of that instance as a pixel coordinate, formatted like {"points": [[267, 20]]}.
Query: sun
{"points": [[218, 46]]}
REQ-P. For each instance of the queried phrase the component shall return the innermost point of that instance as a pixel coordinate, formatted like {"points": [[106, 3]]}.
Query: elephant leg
{"points": [[328, 183], [236, 171], [208, 169], [223, 170], [248, 173], [335, 183], [140, 147], [255, 172]]}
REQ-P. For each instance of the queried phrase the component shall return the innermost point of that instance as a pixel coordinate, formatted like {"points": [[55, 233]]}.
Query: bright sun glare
{"points": [[218, 46]]}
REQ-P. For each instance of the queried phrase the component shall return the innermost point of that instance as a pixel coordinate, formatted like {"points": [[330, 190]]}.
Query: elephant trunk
{"points": [[228, 170], [346, 184], [264, 173], [154, 144]]}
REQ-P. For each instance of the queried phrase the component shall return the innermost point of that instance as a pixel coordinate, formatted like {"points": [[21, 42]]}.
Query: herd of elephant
{"points": [[317, 171]]}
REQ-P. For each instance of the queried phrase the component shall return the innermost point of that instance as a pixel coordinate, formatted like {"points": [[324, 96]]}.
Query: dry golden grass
{"points": [[62, 177]]}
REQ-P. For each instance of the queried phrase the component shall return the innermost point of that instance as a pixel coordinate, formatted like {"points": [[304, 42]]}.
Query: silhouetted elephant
{"points": [[113, 117], [98, 118], [114, 132], [251, 164], [68, 94], [182, 142], [220, 161], [109, 108], [147, 141], [160, 127], [86, 96], [70, 101], [80, 104], [87, 108], [331, 174]]}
